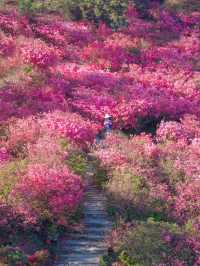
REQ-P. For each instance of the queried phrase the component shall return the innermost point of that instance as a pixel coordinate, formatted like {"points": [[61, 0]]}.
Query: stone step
{"points": [[82, 242], [100, 221], [92, 210], [96, 201], [94, 192], [98, 230], [95, 215], [92, 231], [77, 264], [89, 237], [93, 189], [81, 258], [85, 250], [94, 205]]}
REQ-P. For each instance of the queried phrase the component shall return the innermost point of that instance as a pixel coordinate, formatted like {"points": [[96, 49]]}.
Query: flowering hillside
{"points": [[58, 78]]}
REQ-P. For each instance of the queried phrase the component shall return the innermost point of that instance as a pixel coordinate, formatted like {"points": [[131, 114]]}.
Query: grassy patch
{"points": [[9, 175]]}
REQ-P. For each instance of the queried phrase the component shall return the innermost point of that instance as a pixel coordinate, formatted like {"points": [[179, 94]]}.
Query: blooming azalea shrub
{"points": [[47, 194], [9, 23], [7, 45], [52, 33], [109, 57], [71, 126], [38, 54], [187, 130], [26, 130]]}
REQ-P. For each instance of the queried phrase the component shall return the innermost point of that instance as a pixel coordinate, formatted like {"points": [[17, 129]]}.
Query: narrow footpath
{"points": [[86, 248]]}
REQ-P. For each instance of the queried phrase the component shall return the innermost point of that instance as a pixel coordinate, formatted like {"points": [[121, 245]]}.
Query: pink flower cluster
{"points": [[71, 126], [7, 45], [106, 56], [187, 130], [38, 54], [4, 155], [9, 22], [53, 33], [46, 193]]}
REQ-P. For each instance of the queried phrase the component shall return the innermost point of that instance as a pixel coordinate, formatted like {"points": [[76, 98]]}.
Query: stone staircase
{"points": [[86, 247]]}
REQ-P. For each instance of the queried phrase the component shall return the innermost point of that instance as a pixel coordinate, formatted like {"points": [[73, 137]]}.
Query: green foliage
{"points": [[170, 173], [100, 173], [111, 12], [105, 261], [9, 175], [52, 232], [2, 3], [76, 159], [144, 245], [77, 162], [32, 7], [12, 256], [26, 6]]}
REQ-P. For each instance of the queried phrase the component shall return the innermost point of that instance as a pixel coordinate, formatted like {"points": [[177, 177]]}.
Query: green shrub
{"points": [[111, 12], [12, 256], [32, 7], [153, 243], [26, 6]]}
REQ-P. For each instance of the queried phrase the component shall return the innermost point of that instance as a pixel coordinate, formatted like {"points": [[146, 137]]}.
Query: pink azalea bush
{"points": [[7, 45], [71, 126], [46, 193], [9, 22], [38, 54]]}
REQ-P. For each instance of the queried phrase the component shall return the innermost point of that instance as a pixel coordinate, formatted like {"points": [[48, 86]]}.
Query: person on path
{"points": [[107, 123], [107, 128]]}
